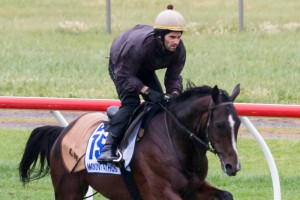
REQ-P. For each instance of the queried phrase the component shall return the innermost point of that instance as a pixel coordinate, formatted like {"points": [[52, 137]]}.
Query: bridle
{"points": [[206, 131]]}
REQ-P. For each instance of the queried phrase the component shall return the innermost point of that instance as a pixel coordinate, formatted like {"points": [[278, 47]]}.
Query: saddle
{"points": [[139, 120], [135, 130]]}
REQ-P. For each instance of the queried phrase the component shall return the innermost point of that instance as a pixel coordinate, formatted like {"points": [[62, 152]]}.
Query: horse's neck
{"points": [[191, 114], [189, 151], [176, 144]]}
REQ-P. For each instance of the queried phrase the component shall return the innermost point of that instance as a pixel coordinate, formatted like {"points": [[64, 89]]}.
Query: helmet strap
{"points": [[162, 34], [160, 43]]}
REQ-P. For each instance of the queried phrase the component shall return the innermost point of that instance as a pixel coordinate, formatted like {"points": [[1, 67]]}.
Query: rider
{"points": [[134, 57]]}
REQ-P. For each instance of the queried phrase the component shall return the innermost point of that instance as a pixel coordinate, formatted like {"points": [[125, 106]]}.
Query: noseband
{"points": [[206, 130]]}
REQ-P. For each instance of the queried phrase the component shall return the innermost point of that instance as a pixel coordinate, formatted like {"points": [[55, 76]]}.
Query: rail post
{"points": [[264, 147], [241, 15]]}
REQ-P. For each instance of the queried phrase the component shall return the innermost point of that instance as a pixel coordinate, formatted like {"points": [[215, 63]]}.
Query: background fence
{"points": [[46, 103]]}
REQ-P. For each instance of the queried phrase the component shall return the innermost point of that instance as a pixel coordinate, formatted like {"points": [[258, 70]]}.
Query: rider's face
{"points": [[172, 40]]}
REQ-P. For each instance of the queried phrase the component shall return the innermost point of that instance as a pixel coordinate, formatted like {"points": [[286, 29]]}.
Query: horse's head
{"points": [[209, 116], [222, 126]]}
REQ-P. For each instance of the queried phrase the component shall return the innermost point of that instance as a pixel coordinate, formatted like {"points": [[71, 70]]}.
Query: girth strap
{"points": [[130, 183]]}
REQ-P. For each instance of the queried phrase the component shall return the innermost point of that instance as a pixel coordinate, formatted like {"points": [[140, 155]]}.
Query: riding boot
{"points": [[108, 153], [117, 128]]}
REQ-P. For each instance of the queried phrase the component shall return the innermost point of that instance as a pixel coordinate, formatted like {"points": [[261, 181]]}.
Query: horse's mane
{"points": [[193, 91]]}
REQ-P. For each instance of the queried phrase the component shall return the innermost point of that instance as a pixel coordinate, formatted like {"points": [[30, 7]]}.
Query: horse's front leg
{"points": [[209, 192]]}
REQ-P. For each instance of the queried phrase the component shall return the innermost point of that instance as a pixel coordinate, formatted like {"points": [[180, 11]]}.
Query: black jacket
{"points": [[138, 51]]}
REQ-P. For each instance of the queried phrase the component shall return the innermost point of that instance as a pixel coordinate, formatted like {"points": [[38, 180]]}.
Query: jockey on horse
{"points": [[134, 57]]}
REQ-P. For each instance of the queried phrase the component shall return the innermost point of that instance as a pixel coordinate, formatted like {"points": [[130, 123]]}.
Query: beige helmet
{"points": [[169, 20]]}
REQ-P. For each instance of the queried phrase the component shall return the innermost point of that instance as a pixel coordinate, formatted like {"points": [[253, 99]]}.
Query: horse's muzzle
{"points": [[231, 170], [229, 166]]}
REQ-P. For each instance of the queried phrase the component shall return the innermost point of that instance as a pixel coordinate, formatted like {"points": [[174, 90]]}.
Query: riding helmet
{"points": [[169, 20]]}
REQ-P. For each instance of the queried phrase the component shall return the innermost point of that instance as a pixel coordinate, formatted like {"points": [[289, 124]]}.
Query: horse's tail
{"points": [[38, 148]]}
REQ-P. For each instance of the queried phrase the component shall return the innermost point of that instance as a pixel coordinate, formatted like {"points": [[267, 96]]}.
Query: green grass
{"points": [[12, 145], [59, 48], [252, 182]]}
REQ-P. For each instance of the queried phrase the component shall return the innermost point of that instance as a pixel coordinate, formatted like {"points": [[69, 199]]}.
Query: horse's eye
{"points": [[220, 125]]}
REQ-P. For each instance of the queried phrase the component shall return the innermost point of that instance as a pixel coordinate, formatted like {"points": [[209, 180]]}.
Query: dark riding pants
{"points": [[129, 101]]}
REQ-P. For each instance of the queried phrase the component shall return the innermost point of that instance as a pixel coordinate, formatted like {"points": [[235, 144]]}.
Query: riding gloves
{"points": [[154, 96]]}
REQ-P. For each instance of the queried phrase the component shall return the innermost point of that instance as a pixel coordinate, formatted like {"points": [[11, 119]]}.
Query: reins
{"points": [[206, 146]]}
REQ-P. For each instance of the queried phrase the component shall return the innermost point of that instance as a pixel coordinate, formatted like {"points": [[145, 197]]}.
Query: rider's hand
{"points": [[154, 96], [151, 95]]}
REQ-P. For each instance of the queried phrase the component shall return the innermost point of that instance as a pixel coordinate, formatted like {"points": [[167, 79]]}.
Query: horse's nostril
{"points": [[228, 167], [230, 171]]}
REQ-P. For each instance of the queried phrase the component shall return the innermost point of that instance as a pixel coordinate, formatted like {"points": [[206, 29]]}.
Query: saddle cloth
{"points": [[74, 142], [83, 143]]}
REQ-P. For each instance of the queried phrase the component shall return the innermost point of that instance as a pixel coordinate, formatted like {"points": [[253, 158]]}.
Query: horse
{"points": [[169, 162]]}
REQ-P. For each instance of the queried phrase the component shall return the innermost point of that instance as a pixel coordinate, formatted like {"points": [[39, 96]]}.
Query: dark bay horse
{"points": [[169, 162]]}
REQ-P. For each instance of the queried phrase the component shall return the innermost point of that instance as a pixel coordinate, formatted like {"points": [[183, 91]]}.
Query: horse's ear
{"points": [[190, 84], [235, 92], [215, 94]]}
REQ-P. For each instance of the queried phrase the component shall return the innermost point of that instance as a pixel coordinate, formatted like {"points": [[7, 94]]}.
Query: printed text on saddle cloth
{"points": [[94, 148]]}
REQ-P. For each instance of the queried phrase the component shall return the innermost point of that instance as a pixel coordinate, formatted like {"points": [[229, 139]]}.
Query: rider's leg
{"points": [[119, 122], [130, 101], [116, 131]]}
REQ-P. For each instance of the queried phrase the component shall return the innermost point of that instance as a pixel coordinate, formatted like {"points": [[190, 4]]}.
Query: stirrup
{"points": [[119, 158]]}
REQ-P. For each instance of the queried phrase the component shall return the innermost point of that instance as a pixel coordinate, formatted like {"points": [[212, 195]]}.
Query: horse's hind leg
{"points": [[70, 187], [209, 192], [67, 186]]}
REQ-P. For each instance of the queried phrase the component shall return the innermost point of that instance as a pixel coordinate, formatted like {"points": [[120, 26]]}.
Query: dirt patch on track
{"points": [[274, 127], [29, 119]]}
